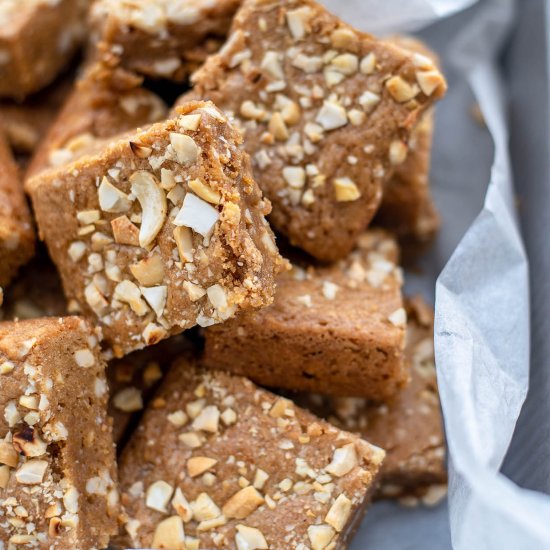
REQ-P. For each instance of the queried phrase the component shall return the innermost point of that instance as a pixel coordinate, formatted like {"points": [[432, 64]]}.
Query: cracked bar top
{"points": [[220, 463], [326, 113], [161, 230]]}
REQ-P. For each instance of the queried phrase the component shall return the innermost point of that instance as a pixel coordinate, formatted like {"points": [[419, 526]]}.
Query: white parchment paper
{"points": [[482, 292]]}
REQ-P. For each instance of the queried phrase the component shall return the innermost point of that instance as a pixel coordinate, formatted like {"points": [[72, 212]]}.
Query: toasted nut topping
{"points": [[346, 190], [434, 495], [86, 217], [368, 100], [260, 478], [271, 64], [204, 508], [339, 512], [149, 271], [184, 241], [153, 205], [346, 63], [31, 472], [243, 503], [197, 465], [8, 455], [295, 176], [398, 152], [197, 214], [277, 127], [4, 476], [76, 250], [169, 534], [55, 527], [141, 151], [194, 291], [181, 506], [128, 292], [332, 115], [343, 38], [158, 496], [330, 290], [204, 191], [156, 296], [112, 199], [152, 334], [398, 318], [6, 366], [251, 111], [282, 407], [177, 418], [368, 64], [28, 442], [185, 147], [190, 122], [193, 440], [128, 400], [320, 536], [208, 419], [124, 231], [429, 81], [229, 416], [343, 461], [250, 538], [84, 358], [297, 24], [400, 89]]}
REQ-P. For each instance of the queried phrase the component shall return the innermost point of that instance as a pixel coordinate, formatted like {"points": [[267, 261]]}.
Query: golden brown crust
{"points": [[57, 463], [222, 457], [337, 330], [203, 250], [326, 112], [16, 229], [37, 39]]}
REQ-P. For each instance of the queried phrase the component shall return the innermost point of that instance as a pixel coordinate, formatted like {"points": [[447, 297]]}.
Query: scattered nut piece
{"points": [[242, 503], [339, 512], [153, 205], [128, 400], [158, 496], [169, 533], [197, 465], [149, 271], [185, 147], [346, 190], [250, 538]]}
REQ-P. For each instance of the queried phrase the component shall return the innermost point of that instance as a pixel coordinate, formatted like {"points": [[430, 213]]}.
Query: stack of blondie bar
{"points": [[212, 349]]}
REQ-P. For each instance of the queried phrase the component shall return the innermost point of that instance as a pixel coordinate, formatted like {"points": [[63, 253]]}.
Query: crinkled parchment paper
{"points": [[482, 338]]}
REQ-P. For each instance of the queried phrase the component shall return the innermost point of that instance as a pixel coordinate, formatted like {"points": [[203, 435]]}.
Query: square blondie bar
{"points": [[37, 40], [336, 330], [16, 227], [409, 428], [162, 38], [220, 463], [57, 460], [326, 112], [160, 230]]}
